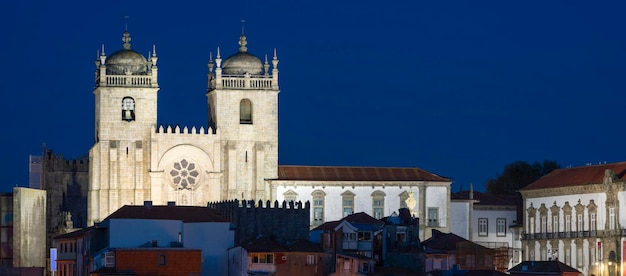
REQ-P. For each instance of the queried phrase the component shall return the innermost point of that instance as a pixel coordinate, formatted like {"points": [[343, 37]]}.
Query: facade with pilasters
{"points": [[576, 215]]}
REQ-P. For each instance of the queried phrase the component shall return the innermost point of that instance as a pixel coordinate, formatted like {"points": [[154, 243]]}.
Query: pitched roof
{"points": [[592, 174], [182, 213], [339, 173], [360, 220], [441, 242], [542, 266]]}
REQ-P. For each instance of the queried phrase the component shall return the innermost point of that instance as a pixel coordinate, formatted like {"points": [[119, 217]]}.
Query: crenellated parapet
{"points": [[185, 130], [283, 221], [57, 162]]}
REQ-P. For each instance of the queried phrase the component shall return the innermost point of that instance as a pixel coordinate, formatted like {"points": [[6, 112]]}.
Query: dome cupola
{"points": [[126, 61], [242, 62]]}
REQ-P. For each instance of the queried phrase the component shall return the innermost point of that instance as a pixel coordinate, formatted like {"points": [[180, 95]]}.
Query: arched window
{"points": [[378, 204], [318, 207], [245, 112], [128, 109]]}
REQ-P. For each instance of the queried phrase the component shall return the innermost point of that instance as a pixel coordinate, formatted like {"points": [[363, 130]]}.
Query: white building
{"points": [[235, 156], [491, 221], [575, 215]]}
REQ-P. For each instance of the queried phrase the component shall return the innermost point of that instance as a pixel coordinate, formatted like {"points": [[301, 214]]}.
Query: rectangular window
{"points": [[348, 205], [262, 258], [433, 216], [109, 259], [482, 227], [347, 211], [544, 224], [555, 224], [349, 236], [568, 223], [365, 236], [365, 267], [592, 222], [162, 259], [501, 227], [310, 259], [579, 257], [318, 202], [579, 223], [531, 225], [401, 234]]}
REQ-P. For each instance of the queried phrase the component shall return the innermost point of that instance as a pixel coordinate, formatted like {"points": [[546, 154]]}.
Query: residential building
{"points": [[447, 251], [266, 256], [576, 215], [159, 233], [543, 268], [491, 221]]}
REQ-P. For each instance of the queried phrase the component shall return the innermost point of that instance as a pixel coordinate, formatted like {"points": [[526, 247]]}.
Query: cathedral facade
{"points": [[235, 156]]}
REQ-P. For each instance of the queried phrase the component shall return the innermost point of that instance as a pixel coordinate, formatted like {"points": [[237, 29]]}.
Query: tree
{"points": [[518, 175]]}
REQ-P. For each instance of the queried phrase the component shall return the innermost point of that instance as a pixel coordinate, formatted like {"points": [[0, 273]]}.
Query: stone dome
{"points": [[126, 61], [241, 63]]}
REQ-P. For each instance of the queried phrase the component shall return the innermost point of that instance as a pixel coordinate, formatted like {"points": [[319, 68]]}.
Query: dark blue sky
{"points": [[459, 88]]}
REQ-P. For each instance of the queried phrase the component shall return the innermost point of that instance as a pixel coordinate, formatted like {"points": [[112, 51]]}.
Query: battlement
{"points": [[56, 162], [185, 130], [289, 220]]}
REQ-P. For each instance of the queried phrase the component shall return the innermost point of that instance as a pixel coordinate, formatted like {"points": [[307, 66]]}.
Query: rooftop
{"points": [[577, 176], [338, 173], [169, 212]]}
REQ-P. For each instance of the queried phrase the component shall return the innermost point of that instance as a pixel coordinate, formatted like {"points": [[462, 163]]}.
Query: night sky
{"points": [[458, 88]]}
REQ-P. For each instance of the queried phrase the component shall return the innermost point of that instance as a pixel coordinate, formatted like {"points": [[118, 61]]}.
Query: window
{"points": [[544, 224], [501, 227], [349, 236], [128, 109], [310, 259], [245, 112], [318, 207], [365, 268], [347, 203], [378, 204], [568, 223], [401, 234], [579, 257], [162, 259], [592, 222], [611, 218], [579, 223], [433, 216], [109, 259], [262, 258], [555, 224], [531, 225], [365, 236], [482, 227]]}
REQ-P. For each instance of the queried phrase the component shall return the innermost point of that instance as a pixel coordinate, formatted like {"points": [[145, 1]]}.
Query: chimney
{"points": [[147, 204]]}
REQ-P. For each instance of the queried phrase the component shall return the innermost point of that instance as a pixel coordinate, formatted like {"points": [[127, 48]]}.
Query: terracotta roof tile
{"points": [[183, 213], [338, 173], [542, 266], [593, 174]]}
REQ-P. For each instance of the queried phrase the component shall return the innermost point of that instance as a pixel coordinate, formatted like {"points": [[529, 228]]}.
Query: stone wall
{"points": [[251, 219], [29, 227]]}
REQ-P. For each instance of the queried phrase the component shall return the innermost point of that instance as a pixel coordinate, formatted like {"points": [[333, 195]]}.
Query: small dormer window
{"points": [[128, 109], [245, 112]]}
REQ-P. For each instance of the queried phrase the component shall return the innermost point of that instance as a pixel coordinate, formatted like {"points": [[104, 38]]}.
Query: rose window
{"points": [[184, 175]]}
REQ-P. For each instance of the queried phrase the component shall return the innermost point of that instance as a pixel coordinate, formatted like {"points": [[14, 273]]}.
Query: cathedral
{"points": [[235, 156]]}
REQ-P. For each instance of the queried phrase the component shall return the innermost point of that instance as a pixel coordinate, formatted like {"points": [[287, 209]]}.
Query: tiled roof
{"points": [[360, 220], [592, 174], [440, 241], [338, 173], [542, 266], [182, 213]]}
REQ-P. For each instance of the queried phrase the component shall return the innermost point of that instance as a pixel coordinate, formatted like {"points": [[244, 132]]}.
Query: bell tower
{"points": [[243, 109], [125, 92]]}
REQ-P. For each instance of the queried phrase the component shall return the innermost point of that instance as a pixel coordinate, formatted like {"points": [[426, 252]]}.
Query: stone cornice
{"points": [[570, 190]]}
